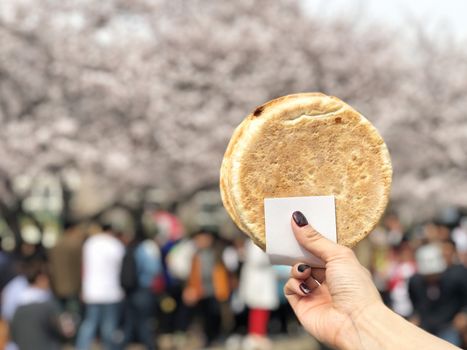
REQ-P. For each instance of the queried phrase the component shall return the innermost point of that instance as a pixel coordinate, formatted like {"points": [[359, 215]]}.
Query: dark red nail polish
{"points": [[304, 288], [303, 267], [299, 218]]}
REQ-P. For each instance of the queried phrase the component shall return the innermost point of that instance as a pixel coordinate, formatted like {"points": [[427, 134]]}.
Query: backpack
{"points": [[129, 270]]}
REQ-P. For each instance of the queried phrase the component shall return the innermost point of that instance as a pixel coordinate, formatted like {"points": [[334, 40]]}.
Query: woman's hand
{"points": [[340, 305], [329, 301]]}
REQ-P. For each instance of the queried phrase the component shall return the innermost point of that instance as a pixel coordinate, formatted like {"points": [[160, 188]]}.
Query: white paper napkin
{"points": [[281, 245]]}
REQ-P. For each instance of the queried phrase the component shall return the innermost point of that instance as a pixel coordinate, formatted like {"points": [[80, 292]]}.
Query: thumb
{"points": [[312, 240]]}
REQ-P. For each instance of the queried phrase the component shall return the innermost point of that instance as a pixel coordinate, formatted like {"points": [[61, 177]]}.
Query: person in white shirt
{"points": [[10, 298], [101, 291]]}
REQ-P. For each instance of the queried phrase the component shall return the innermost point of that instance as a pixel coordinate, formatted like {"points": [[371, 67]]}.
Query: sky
{"points": [[434, 15]]}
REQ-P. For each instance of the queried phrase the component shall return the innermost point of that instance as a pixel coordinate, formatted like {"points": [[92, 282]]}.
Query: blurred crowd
{"points": [[162, 288], [171, 289], [421, 271]]}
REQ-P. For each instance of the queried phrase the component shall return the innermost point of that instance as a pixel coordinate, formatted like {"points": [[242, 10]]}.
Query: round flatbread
{"points": [[307, 144]]}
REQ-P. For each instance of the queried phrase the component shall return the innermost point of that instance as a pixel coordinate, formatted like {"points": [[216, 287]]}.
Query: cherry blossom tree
{"points": [[139, 94]]}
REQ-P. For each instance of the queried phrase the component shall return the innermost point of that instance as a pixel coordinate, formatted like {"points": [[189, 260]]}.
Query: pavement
{"points": [[300, 341], [296, 342]]}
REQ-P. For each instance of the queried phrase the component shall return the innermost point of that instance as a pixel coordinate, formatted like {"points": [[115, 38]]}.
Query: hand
{"points": [[415, 320], [190, 297], [329, 301], [460, 322]]}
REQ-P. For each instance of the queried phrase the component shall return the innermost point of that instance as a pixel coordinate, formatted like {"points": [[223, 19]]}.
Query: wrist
{"points": [[366, 329]]}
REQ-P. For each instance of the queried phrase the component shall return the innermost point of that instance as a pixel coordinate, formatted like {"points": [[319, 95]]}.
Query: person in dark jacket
{"points": [[36, 324], [438, 293], [140, 300]]}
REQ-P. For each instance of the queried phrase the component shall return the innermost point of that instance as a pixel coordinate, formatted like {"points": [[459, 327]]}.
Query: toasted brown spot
{"points": [[338, 120], [258, 111]]}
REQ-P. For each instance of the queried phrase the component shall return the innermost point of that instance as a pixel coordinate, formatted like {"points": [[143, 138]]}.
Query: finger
{"points": [[318, 274], [312, 283], [301, 271], [295, 287], [311, 239], [292, 293]]}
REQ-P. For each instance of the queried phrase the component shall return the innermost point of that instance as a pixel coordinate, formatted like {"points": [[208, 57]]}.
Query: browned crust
{"points": [[280, 110]]}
